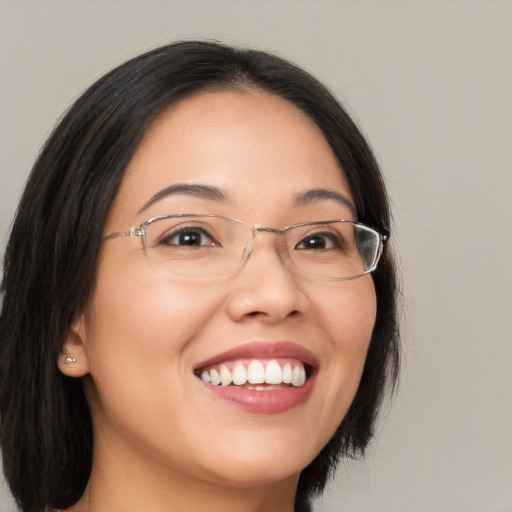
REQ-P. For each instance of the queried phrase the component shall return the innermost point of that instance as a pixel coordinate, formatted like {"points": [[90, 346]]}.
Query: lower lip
{"points": [[274, 401]]}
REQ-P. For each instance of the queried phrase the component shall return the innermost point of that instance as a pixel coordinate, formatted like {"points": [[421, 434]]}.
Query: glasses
{"points": [[207, 246]]}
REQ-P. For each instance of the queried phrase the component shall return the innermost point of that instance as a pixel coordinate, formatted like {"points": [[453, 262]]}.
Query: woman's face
{"points": [[147, 335]]}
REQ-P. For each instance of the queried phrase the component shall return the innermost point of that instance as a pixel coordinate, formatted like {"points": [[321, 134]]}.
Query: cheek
{"points": [[349, 314], [138, 348], [144, 317], [140, 325]]}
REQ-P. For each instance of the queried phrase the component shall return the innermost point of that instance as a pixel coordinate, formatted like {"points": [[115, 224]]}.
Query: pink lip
{"points": [[264, 402], [263, 350]]}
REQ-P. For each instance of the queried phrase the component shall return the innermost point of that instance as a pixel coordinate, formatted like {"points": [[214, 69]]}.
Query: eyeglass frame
{"points": [[141, 230]]}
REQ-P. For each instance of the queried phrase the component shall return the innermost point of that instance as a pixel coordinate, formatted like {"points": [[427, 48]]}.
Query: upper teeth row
{"points": [[256, 373]]}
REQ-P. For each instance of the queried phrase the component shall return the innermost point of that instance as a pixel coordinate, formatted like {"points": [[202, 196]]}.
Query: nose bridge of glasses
{"points": [[273, 231], [256, 228], [263, 229]]}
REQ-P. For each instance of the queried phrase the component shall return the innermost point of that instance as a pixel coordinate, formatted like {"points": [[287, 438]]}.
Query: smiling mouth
{"points": [[257, 374], [261, 377]]}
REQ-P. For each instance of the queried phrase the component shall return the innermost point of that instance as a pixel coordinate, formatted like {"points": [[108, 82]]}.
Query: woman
{"points": [[198, 305]]}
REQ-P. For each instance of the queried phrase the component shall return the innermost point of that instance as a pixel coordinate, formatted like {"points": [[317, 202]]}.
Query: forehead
{"points": [[259, 149]]}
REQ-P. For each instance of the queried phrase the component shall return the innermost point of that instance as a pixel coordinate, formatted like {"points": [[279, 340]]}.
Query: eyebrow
{"points": [[321, 194], [212, 193], [199, 191]]}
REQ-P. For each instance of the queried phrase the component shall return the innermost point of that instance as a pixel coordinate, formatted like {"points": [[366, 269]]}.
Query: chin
{"points": [[251, 475], [260, 463]]}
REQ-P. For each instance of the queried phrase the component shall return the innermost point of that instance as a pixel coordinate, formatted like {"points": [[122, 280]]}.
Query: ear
{"points": [[73, 356]]}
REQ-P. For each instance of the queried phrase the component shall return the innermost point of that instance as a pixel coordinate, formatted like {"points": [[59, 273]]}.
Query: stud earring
{"points": [[68, 361]]}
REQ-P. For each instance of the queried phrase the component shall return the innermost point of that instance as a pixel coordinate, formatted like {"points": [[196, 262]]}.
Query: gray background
{"points": [[431, 83]]}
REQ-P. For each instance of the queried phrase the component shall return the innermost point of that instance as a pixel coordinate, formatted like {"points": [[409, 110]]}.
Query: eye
{"points": [[320, 241], [188, 236]]}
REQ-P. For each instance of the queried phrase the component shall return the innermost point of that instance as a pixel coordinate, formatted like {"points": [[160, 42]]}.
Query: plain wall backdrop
{"points": [[431, 85]]}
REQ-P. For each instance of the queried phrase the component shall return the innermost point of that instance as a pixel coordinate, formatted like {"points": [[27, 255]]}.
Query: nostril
{"points": [[257, 313]]}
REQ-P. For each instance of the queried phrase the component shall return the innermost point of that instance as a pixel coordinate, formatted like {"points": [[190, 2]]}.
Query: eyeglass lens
{"points": [[208, 246]]}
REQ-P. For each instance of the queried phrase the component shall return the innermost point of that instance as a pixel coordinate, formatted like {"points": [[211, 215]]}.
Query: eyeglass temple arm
{"points": [[131, 232]]}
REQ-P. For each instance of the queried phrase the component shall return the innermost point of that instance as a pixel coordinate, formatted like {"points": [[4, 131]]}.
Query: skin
{"points": [[161, 441]]}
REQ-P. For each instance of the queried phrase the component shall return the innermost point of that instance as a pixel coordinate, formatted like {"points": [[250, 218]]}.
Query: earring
{"points": [[68, 361]]}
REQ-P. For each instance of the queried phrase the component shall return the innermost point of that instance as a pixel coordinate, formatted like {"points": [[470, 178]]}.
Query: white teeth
{"points": [[214, 377], [287, 373], [271, 377], [298, 376], [268, 387], [273, 373], [225, 376], [239, 375], [256, 372], [302, 376]]}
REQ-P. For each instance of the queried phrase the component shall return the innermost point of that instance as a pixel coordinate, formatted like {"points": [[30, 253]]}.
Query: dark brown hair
{"points": [[49, 265]]}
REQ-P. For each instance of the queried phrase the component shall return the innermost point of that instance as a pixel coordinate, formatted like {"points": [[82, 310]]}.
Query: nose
{"points": [[264, 287]]}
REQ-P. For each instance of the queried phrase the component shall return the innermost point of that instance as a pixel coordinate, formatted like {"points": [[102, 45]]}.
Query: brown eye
{"points": [[320, 241], [188, 237]]}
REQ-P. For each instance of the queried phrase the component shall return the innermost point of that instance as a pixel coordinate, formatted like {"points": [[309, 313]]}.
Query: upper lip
{"points": [[263, 350]]}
